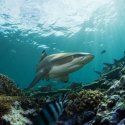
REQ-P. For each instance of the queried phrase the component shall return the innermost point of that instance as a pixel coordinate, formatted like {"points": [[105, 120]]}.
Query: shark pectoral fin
{"points": [[64, 78], [35, 80]]}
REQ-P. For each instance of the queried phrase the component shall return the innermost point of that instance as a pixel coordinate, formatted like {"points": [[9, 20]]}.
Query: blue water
{"points": [[27, 27]]}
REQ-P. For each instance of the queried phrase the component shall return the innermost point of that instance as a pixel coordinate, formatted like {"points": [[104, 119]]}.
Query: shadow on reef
{"points": [[99, 103]]}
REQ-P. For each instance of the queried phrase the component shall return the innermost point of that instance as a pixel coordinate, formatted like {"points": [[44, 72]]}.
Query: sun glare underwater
{"points": [[61, 44]]}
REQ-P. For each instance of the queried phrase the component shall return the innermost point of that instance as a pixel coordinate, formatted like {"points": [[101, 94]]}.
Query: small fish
{"points": [[51, 112], [103, 51]]}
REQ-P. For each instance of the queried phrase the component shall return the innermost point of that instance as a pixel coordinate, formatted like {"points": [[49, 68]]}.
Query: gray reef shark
{"points": [[117, 63], [59, 66], [110, 66]]}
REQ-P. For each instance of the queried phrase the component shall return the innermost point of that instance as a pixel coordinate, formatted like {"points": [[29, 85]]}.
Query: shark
{"points": [[117, 63], [58, 66]]}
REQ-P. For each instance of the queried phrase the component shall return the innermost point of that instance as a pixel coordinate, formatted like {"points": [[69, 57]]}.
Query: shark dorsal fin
{"points": [[43, 55]]}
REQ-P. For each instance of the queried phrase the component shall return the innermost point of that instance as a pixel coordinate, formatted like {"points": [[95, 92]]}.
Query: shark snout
{"points": [[90, 56], [87, 57]]}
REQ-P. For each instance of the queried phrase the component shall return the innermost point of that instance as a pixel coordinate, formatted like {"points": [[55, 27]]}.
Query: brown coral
{"points": [[7, 101], [9, 93], [33, 103], [83, 101], [8, 87]]}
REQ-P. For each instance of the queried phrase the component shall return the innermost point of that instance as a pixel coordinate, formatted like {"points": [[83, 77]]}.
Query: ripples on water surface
{"points": [[29, 26]]}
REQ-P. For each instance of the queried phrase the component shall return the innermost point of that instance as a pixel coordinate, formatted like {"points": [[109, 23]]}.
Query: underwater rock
{"points": [[122, 82], [102, 107], [118, 115], [122, 122], [113, 74], [123, 71], [118, 85], [115, 97], [112, 101], [8, 87], [71, 121], [113, 87], [105, 121], [6, 102], [97, 120], [111, 104], [88, 116]]}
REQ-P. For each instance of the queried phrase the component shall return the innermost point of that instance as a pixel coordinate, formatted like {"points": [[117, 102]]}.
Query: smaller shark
{"points": [[117, 63], [59, 66]]}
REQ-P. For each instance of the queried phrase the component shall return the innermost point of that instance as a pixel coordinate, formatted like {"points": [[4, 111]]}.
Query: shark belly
{"points": [[62, 70]]}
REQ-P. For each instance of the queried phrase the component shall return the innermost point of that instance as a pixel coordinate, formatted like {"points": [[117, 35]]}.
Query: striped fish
{"points": [[51, 112]]}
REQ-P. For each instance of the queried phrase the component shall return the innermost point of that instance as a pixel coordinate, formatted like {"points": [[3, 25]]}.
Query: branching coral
{"points": [[83, 101], [16, 117]]}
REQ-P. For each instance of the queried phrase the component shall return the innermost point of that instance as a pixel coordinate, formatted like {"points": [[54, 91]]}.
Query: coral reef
{"points": [[118, 85], [99, 103], [33, 103], [7, 101], [16, 116], [50, 93], [83, 101], [108, 111], [8, 87]]}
